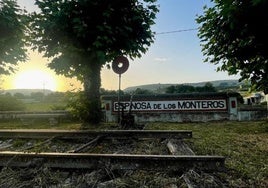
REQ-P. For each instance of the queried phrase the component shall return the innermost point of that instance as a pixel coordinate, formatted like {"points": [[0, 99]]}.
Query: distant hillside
{"points": [[27, 91], [162, 87]]}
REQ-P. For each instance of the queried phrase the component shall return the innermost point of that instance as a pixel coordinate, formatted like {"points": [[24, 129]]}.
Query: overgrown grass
{"points": [[244, 144], [38, 124], [44, 106]]}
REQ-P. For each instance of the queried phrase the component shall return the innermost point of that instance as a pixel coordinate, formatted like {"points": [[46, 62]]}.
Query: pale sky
{"points": [[173, 58]]}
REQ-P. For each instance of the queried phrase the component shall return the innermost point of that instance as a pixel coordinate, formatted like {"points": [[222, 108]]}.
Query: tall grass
{"points": [[244, 144]]}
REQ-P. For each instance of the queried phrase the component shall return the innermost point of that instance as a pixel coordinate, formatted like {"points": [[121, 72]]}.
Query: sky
{"points": [[173, 58]]}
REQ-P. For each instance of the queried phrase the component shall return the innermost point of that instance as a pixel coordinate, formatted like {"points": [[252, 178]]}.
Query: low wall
{"points": [[26, 118], [22, 114], [252, 113], [197, 107], [181, 117]]}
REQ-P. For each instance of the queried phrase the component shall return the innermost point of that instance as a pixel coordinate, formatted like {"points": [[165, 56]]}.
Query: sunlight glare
{"points": [[35, 79]]}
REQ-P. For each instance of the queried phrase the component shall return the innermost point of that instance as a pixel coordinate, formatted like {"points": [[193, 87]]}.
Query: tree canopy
{"points": [[69, 30], [12, 36], [234, 36], [82, 36]]}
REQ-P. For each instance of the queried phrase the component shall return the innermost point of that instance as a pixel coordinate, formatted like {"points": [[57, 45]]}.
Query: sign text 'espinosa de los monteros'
{"points": [[173, 105]]}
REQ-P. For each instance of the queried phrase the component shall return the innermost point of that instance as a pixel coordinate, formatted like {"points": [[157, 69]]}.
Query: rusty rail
{"points": [[107, 134], [111, 161]]}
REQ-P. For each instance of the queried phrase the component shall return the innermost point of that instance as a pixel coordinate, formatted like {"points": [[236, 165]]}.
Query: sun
{"points": [[35, 79]]}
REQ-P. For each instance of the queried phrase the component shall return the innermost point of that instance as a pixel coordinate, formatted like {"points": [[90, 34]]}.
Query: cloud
{"points": [[160, 59]]}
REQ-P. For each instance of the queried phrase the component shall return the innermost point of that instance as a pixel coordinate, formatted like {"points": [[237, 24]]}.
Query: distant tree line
{"points": [[208, 87], [17, 101], [40, 96], [10, 103]]}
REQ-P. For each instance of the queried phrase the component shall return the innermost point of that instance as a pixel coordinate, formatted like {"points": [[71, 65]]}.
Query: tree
{"points": [[181, 88], [140, 91], [185, 88], [19, 95], [208, 87], [12, 36], [107, 92], [234, 36], [171, 89], [84, 35], [39, 96], [55, 97]]}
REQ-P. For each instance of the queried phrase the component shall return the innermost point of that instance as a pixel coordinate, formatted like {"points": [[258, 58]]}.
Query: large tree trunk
{"points": [[92, 83]]}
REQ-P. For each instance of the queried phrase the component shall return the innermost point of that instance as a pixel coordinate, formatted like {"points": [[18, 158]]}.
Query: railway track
{"points": [[80, 159], [108, 134], [74, 157], [113, 161]]}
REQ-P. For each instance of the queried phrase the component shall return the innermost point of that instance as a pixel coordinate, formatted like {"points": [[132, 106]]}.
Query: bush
{"points": [[77, 104], [56, 107], [10, 103]]}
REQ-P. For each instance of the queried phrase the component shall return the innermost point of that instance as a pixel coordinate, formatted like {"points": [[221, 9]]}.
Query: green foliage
{"points": [[56, 107], [70, 30], [19, 95], [55, 97], [12, 35], [240, 98], [107, 92], [39, 96], [80, 107], [140, 91], [9, 103], [77, 104], [82, 36], [45, 106], [40, 124], [38, 101], [208, 87], [234, 37], [225, 87]]}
